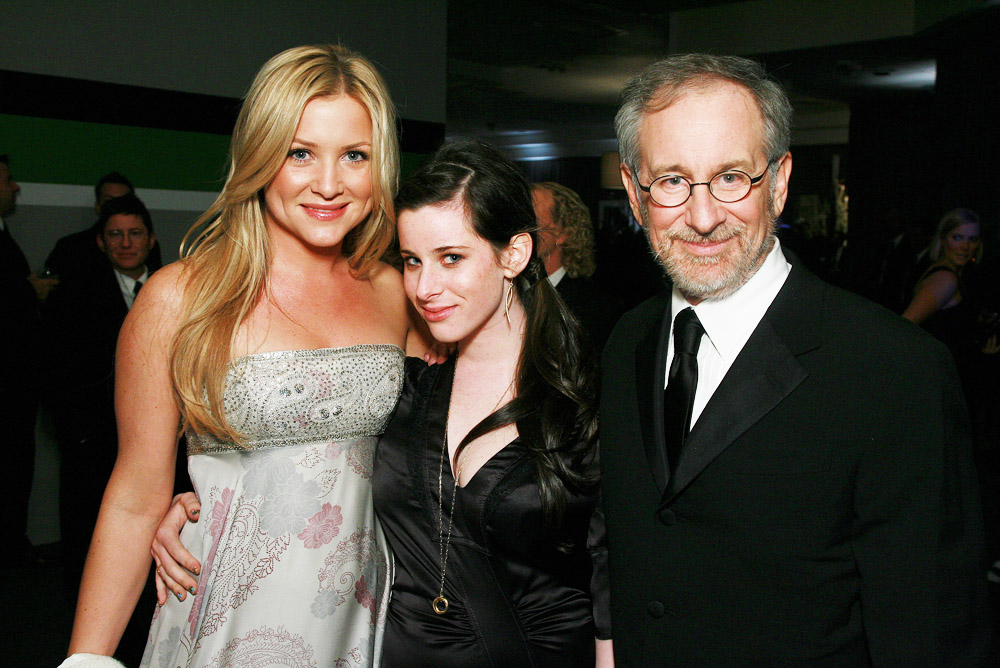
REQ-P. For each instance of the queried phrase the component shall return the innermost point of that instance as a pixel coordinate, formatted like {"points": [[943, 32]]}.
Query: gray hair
{"points": [[658, 85]]}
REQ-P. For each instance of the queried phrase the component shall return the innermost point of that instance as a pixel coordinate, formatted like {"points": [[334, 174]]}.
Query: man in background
{"points": [[19, 378], [76, 253], [566, 246], [82, 321]]}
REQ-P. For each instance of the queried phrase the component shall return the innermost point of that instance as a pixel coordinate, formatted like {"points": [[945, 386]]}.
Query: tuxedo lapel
{"points": [[650, 376], [763, 374]]}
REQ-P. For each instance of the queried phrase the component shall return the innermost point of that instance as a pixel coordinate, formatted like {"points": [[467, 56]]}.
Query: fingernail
{"points": [[195, 512], [180, 597], [196, 570], [191, 589]]}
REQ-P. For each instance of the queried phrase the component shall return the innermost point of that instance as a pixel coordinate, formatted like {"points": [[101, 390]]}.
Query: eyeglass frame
{"points": [[754, 180], [134, 234]]}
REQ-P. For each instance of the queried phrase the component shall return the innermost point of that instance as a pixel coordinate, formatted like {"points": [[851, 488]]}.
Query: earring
{"points": [[508, 300]]}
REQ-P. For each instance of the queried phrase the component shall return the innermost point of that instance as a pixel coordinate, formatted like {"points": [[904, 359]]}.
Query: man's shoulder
{"points": [[78, 239], [848, 319], [74, 253]]}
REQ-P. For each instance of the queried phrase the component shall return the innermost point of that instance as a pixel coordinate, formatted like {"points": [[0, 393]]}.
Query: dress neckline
{"points": [[441, 401], [316, 352]]}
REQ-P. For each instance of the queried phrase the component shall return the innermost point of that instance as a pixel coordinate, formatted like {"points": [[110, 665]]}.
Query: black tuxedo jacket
{"points": [[824, 511], [18, 320], [82, 320]]}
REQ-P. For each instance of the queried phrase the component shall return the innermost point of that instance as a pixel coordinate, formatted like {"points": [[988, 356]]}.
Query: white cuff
{"points": [[81, 660]]}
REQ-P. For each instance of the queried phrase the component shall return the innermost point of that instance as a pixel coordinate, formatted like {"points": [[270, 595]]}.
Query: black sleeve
{"points": [[600, 589]]}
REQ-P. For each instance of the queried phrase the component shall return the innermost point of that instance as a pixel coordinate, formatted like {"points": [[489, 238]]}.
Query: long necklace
{"points": [[440, 603]]}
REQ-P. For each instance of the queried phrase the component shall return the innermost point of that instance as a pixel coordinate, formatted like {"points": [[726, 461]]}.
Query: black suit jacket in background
{"points": [[595, 308], [83, 317], [824, 511], [18, 319]]}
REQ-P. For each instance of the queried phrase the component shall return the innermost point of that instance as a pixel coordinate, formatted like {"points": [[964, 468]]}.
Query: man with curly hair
{"points": [[566, 245]]}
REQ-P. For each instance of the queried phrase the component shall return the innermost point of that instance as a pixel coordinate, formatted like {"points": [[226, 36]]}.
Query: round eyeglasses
{"points": [[729, 186]]}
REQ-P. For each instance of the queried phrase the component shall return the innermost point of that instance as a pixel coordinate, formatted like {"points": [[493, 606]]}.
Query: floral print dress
{"points": [[295, 569]]}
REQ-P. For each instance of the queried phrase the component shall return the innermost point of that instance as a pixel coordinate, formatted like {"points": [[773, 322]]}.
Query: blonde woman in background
{"points": [[278, 343], [955, 245], [942, 303]]}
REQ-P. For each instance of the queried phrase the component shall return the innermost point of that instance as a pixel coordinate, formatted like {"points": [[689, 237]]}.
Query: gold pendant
{"points": [[440, 605]]}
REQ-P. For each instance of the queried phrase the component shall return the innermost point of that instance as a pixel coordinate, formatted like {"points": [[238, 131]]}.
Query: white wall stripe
{"points": [[58, 194]]}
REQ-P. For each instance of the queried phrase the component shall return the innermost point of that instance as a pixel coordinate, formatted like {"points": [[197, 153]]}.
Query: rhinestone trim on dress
{"points": [[286, 397]]}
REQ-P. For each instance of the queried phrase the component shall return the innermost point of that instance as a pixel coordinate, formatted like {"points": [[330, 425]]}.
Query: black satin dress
{"points": [[515, 599]]}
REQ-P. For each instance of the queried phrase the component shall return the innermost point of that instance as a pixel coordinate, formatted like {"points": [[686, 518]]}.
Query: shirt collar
{"points": [[557, 275], [130, 282], [730, 321]]}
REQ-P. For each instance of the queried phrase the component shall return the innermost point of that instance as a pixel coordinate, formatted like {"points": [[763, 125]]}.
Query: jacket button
{"points": [[667, 516], [655, 609]]}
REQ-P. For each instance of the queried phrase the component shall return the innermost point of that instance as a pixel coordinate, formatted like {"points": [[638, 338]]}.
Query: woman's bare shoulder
{"points": [[159, 302], [168, 283], [939, 280], [387, 282]]}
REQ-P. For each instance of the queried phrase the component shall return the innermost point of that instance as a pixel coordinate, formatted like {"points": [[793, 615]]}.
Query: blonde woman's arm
{"points": [[141, 484], [932, 294]]}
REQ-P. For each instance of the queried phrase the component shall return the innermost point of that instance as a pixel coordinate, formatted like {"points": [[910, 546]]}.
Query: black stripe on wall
{"points": [[65, 98]]}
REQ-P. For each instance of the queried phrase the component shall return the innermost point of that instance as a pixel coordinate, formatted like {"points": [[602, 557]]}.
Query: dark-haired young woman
{"points": [[485, 478]]}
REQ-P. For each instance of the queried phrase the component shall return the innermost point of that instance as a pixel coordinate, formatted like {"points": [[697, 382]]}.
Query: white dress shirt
{"points": [[728, 324], [557, 275], [127, 285]]}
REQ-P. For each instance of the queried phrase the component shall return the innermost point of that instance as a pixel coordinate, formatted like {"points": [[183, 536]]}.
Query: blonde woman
{"points": [[954, 246], [278, 343]]}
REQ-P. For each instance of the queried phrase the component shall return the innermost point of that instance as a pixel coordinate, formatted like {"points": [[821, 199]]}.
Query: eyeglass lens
{"points": [[730, 186]]}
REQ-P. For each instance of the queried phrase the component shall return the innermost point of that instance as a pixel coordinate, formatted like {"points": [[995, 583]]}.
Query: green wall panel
{"points": [[45, 150]]}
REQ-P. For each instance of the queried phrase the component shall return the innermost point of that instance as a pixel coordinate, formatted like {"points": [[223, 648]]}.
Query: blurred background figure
{"points": [[76, 253], [902, 262], [953, 304], [942, 301], [566, 246], [82, 320], [18, 377]]}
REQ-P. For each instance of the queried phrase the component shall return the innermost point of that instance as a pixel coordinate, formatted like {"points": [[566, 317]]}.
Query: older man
{"points": [[786, 467]]}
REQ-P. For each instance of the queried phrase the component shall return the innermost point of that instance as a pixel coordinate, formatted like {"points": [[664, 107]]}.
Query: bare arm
{"points": [[605, 654], [141, 484], [932, 294]]}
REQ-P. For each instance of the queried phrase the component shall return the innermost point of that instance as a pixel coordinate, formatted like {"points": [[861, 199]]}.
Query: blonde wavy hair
{"points": [[573, 216], [951, 220], [227, 253]]}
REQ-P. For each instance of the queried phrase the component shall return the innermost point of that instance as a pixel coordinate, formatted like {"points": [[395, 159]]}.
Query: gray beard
{"points": [[720, 287]]}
